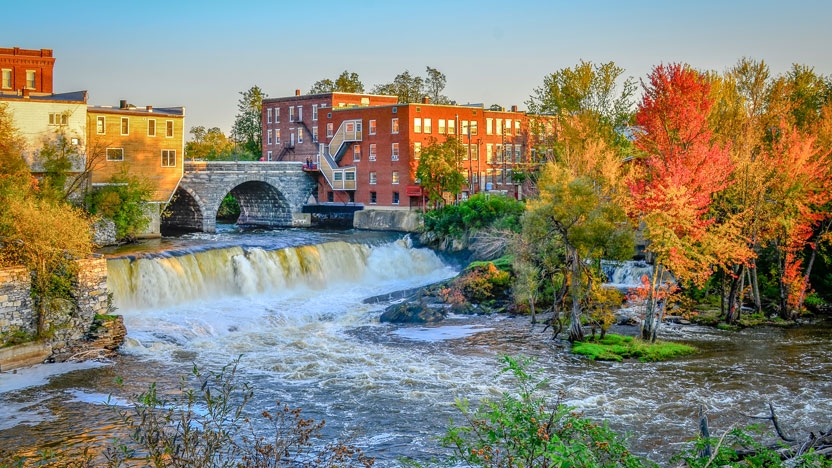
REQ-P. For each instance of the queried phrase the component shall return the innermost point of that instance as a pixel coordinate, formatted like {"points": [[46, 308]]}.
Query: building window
{"points": [[517, 127], [394, 125], [169, 129], [349, 176], [330, 197], [115, 154], [499, 152], [394, 152], [168, 158], [372, 198], [489, 153], [441, 126], [58, 118], [473, 127], [451, 127], [151, 127], [300, 113], [395, 177], [269, 137], [277, 136], [464, 127], [329, 130], [372, 151], [395, 198], [475, 152], [300, 135], [417, 150], [489, 126], [268, 155], [314, 112], [30, 79], [276, 115], [269, 115], [372, 127], [291, 113], [100, 127], [517, 152], [338, 176], [314, 134], [427, 125], [372, 178], [499, 126], [125, 126], [417, 125], [356, 152], [6, 81]]}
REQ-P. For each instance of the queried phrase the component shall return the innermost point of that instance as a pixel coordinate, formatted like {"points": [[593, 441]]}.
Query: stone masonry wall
{"points": [[16, 312], [72, 320]]}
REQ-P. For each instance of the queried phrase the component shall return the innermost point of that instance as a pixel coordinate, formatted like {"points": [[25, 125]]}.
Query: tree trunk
{"points": [[658, 307], [576, 332], [805, 285], [649, 325], [722, 293], [781, 265], [531, 308], [731, 315], [755, 286]]}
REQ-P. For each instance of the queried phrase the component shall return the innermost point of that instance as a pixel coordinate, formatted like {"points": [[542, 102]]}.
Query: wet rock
{"points": [[413, 312]]}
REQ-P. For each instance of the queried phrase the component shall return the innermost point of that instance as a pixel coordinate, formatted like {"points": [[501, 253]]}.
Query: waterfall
{"points": [[626, 275], [161, 280]]}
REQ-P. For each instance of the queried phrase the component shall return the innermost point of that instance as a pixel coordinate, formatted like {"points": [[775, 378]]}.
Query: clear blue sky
{"points": [[202, 54]]}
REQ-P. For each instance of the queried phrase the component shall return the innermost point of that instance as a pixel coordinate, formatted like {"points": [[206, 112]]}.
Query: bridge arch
{"points": [[269, 193]]}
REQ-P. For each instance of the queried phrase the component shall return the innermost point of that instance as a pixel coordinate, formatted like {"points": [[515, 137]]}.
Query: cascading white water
{"points": [[625, 275]]}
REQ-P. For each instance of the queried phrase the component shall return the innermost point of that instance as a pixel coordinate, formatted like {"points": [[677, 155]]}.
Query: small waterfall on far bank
{"points": [[627, 274]]}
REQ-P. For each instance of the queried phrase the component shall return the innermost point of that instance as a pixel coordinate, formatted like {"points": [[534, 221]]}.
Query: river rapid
{"points": [[289, 304]]}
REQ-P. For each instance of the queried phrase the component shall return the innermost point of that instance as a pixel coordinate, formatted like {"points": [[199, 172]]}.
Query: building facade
{"points": [[23, 70], [366, 148], [42, 119], [143, 141]]}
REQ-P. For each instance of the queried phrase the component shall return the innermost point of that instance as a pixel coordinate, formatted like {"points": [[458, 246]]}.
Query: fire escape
{"points": [[339, 178]]}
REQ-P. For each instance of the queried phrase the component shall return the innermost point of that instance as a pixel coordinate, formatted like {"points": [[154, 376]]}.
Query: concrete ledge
{"points": [[388, 220], [24, 355]]}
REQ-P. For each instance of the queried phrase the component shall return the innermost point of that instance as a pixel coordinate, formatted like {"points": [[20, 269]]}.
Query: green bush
{"points": [[477, 213], [123, 201], [525, 430]]}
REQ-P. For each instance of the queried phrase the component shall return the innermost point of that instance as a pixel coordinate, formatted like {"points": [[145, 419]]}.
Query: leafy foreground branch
{"points": [[204, 425]]}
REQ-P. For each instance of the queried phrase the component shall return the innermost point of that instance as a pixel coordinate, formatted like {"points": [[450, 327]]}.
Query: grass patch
{"points": [[105, 318], [503, 263], [617, 348]]}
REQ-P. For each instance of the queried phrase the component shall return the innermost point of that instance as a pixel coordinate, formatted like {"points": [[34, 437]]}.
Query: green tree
{"points": [[124, 200], [248, 126], [407, 87], [590, 91], [209, 145], [434, 85], [347, 82], [438, 170]]}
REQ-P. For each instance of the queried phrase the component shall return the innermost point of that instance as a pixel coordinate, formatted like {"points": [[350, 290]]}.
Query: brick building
{"points": [[144, 141], [23, 70], [366, 148]]}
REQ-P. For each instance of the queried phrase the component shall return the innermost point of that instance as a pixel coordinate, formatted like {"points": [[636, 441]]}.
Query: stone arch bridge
{"points": [[269, 194]]}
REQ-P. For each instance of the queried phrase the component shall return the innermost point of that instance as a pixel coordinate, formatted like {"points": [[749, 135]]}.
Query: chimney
{"points": [[297, 92], [514, 108], [426, 100], [122, 104], [150, 108]]}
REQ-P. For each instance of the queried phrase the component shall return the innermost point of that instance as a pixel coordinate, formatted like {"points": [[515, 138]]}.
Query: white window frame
{"points": [[58, 119], [170, 129], [6, 78], [373, 178], [314, 134], [100, 125], [451, 127], [372, 155], [394, 152], [372, 126], [356, 152], [166, 157], [394, 125], [31, 83], [394, 178], [277, 136], [269, 115], [291, 113], [314, 112], [300, 135], [269, 137], [426, 126], [417, 150], [441, 126], [300, 113], [125, 120], [277, 115], [373, 197], [120, 152], [417, 125]]}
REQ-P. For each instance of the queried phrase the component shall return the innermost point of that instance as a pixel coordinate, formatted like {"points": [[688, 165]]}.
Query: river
{"points": [[289, 303]]}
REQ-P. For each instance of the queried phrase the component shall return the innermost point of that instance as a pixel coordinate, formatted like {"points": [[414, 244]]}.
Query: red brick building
{"points": [[366, 148], [26, 71]]}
